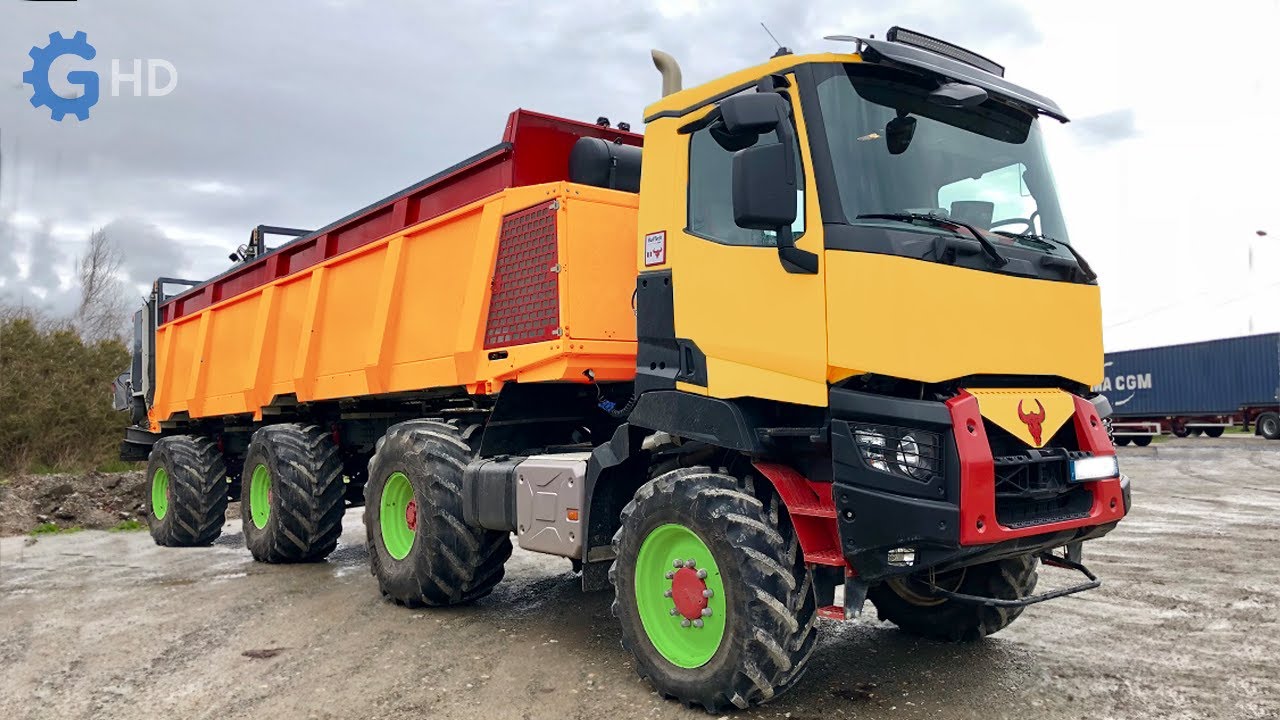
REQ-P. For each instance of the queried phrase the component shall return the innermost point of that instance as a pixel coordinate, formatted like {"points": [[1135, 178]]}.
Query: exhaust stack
{"points": [[670, 69]]}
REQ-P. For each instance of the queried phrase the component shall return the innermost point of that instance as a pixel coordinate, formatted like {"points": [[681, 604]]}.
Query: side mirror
{"points": [[765, 198], [753, 114], [764, 187], [764, 176]]}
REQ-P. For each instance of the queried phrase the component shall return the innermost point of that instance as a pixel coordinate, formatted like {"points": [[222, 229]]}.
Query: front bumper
{"points": [[957, 517]]}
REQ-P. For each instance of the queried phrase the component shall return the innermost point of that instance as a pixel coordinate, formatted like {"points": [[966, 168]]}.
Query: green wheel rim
{"points": [[260, 496], [683, 646], [160, 493], [397, 510]]}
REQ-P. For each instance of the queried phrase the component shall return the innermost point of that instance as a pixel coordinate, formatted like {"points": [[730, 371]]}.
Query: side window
{"points": [[711, 194]]}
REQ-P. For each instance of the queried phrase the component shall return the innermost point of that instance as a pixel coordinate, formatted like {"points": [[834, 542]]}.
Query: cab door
{"points": [[761, 329]]}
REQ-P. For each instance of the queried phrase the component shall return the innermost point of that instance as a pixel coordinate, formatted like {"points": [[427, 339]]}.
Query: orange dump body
{"points": [[528, 284]]}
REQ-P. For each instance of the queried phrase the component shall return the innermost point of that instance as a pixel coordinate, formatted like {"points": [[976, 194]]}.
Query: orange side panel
{"points": [[407, 312], [600, 238]]}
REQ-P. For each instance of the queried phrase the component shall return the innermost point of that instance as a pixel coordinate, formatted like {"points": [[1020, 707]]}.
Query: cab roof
{"points": [[880, 52]]}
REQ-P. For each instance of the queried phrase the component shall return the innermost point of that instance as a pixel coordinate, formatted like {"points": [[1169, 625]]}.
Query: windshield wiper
{"points": [[988, 248], [1089, 274]]}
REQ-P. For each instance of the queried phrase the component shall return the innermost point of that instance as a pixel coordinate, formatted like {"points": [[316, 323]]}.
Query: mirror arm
{"points": [[793, 259], [787, 138]]}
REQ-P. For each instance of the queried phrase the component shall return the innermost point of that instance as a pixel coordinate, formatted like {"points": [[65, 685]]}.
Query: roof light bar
{"points": [[944, 48]]}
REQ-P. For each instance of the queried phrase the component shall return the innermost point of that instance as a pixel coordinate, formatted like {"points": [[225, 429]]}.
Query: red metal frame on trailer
{"points": [[534, 149]]}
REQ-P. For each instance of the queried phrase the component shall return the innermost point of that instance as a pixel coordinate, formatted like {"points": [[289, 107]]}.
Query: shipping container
{"points": [[1207, 385]]}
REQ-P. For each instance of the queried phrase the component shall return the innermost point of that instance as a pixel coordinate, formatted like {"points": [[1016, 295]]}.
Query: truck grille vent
{"points": [[1033, 487], [524, 302]]}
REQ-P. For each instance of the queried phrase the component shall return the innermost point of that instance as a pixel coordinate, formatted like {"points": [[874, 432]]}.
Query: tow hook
{"points": [[1048, 559]]}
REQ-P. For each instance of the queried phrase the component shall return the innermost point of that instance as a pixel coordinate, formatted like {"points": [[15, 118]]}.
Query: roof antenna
{"points": [[782, 49]]}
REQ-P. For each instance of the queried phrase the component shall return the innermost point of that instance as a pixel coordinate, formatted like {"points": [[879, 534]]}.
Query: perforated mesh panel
{"points": [[525, 303]]}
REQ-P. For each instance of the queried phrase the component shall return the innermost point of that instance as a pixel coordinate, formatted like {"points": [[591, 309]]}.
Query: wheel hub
{"points": [[689, 593], [411, 514]]}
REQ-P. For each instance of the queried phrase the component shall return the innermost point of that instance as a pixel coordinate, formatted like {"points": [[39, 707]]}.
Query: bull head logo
{"points": [[1033, 420]]}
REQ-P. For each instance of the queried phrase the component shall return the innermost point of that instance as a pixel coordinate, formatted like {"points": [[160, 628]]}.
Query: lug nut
{"points": [[702, 574], [670, 575], [708, 593], [676, 563], [674, 612], [666, 594], [690, 563], [696, 623], [685, 623], [706, 612]]}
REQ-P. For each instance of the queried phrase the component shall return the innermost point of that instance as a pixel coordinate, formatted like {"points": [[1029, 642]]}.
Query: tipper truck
{"points": [[832, 345]]}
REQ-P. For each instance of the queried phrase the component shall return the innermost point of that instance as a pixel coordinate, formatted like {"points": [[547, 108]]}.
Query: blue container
{"points": [[1216, 377]]}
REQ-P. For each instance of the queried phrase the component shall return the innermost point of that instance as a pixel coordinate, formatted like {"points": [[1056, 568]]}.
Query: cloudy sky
{"points": [[297, 112]]}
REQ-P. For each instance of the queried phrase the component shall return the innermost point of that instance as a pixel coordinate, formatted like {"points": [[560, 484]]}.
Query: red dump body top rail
{"points": [[534, 149]]}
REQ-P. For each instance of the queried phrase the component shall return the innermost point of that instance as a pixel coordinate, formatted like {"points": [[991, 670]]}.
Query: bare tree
{"points": [[103, 312]]}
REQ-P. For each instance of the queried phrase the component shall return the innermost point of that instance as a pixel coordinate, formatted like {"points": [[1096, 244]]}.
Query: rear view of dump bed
{"points": [[494, 270]]}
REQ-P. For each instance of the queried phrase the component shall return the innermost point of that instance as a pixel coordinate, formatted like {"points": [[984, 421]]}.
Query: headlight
{"points": [[906, 452], [910, 460], [1094, 468], [872, 444]]}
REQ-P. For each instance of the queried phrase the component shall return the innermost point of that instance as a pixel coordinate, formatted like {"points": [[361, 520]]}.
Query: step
{"points": [[825, 557], [812, 510], [831, 612]]}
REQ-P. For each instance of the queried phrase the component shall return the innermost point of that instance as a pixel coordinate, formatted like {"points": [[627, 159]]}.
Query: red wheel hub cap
{"points": [[411, 514], [687, 593]]}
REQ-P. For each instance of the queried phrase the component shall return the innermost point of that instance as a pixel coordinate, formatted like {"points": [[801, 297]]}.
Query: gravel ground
{"points": [[106, 625]]}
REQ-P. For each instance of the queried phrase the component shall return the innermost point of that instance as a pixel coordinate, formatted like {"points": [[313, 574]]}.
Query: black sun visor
{"points": [[912, 49]]}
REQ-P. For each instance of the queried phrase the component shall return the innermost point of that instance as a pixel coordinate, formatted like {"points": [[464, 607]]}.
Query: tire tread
{"points": [[463, 563], [197, 491], [781, 610]]}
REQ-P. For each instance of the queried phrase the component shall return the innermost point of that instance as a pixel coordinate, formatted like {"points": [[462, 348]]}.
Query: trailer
{"points": [[1200, 388], [701, 384]]}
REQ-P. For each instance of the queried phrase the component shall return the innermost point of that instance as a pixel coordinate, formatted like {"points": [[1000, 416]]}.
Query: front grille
{"points": [[1033, 487]]}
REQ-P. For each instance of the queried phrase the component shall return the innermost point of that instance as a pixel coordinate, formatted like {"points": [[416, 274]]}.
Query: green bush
{"points": [[55, 397], [129, 526], [53, 529]]}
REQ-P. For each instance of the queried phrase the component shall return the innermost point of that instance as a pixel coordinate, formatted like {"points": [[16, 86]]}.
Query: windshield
{"points": [[893, 151]]}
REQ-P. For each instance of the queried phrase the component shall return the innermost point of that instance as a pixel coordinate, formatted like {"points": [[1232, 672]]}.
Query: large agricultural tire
{"points": [[1268, 425], [291, 494], [188, 498], [740, 634], [1142, 440], [420, 549], [909, 604]]}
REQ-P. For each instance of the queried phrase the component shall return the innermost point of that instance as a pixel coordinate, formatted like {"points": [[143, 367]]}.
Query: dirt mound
{"points": [[91, 500]]}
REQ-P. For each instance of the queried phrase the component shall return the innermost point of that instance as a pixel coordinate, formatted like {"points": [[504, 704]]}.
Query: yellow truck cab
{"points": [[823, 340]]}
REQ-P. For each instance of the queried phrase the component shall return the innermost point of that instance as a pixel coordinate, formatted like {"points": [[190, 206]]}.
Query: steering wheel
{"points": [[1030, 224]]}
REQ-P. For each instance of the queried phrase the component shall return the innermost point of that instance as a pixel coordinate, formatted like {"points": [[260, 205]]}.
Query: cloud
{"points": [[295, 113], [44, 259], [1105, 128], [147, 252]]}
